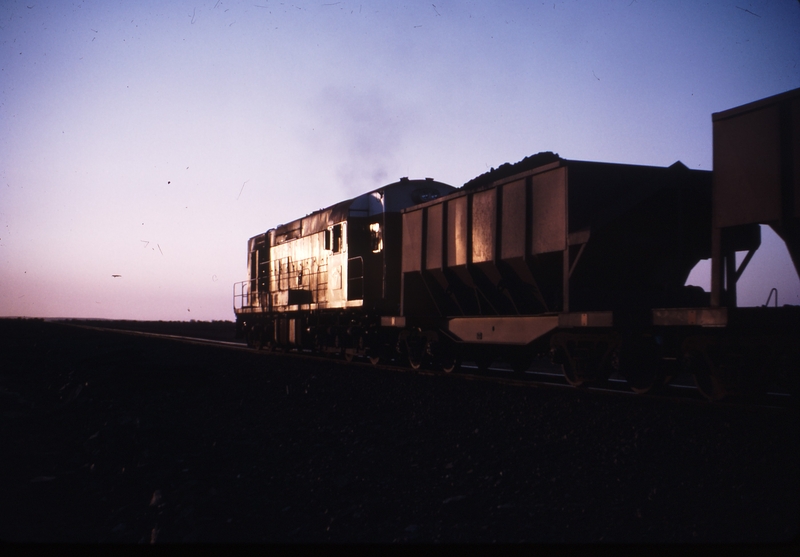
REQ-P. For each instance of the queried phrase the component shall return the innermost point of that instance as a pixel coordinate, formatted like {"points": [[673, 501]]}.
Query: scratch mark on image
{"points": [[748, 11], [435, 10], [159, 249], [116, 276], [241, 190], [595, 76], [193, 11], [145, 242]]}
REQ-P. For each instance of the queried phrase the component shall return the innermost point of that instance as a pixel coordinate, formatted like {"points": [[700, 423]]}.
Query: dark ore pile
{"points": [[109, 437]]}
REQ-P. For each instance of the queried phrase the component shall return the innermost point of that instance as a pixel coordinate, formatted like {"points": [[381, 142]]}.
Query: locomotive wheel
{"points": [[348, 356], [374, 360], [254, 340], [338, 347]]}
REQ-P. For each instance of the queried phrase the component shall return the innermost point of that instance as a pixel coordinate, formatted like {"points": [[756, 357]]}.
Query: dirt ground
{"points": [[108, 437]]}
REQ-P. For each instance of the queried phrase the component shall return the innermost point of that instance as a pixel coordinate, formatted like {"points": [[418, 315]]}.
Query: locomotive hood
{"points": [[391, 198]]}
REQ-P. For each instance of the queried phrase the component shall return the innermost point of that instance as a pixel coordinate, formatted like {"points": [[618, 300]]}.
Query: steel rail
{"points": [[532, 378]]}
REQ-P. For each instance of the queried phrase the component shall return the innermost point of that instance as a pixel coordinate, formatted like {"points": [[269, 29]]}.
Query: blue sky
{"points": [[151, 140]]}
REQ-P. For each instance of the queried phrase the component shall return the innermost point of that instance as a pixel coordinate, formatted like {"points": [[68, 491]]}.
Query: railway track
{"points": [[539, 375]]}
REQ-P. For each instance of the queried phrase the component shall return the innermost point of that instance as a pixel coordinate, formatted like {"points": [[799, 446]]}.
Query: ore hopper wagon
{"points": [[556, 255]]}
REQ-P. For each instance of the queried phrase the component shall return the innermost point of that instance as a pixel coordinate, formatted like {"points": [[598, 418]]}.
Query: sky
{"points": [[150, 140]]}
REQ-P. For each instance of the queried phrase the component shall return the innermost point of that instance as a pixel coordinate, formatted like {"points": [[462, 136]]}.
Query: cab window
{"points": [[337, 238], [376, 237]]}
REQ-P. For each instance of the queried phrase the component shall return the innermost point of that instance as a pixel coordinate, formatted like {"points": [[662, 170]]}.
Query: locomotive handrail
{"points": [[242, 294]]}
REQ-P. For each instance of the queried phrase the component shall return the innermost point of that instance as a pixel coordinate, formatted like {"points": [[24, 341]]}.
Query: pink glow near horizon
{"points": [[151, 140]]}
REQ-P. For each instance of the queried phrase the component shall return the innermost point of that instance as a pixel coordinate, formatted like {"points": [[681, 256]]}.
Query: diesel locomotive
{"points": [[324, 281], [582, 262]]}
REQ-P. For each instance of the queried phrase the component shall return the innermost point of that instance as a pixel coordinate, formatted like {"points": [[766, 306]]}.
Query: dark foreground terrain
{"points": [[108, 437]]}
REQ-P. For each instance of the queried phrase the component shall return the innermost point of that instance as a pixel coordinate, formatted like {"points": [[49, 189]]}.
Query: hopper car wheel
{"points": [[374, 360], [730, 373], [483, 361], [639, 363], [787, 373], [445, 356], [568, 366], [704, 377], [416, 347], [571, 375], [451, 366], [450, 363], [348, 356], [415, 357], [521, 362], [647, 380]]}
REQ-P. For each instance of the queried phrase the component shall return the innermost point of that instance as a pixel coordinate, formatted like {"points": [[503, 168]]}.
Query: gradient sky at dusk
{"points": [[152, 139]]}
